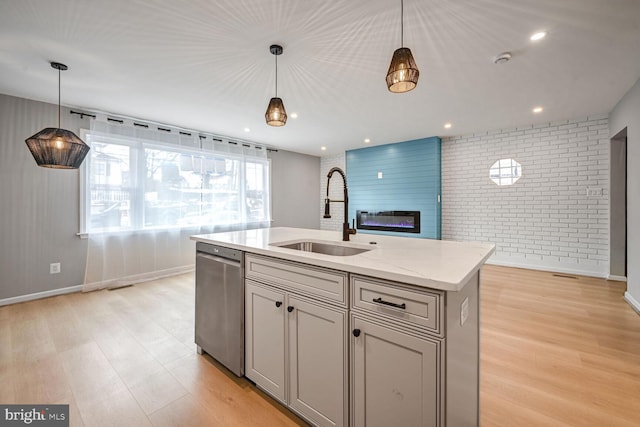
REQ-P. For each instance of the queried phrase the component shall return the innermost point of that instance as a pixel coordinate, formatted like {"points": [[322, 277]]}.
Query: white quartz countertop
{"points": [[436, 264]]}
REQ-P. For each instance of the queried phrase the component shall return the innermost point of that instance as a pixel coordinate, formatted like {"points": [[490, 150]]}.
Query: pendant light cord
{"points": [[401, 23], [58, 98], [276, 75]]}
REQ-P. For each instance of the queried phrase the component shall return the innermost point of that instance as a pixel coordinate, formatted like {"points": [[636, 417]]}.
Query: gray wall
{"points": [[38, 206], [617, 205], [295, 190], [626, 114], [39, 213]]}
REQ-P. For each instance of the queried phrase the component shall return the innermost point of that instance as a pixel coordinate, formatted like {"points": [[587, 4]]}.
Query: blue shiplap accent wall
{"points": [[410, 182]]}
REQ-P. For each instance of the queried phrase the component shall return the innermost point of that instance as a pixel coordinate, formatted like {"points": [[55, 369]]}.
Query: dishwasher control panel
{"points": [[220, 251]]}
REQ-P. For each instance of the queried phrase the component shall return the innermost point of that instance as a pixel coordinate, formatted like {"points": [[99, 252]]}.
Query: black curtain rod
{"points": [[121, 121], [83, 114]]}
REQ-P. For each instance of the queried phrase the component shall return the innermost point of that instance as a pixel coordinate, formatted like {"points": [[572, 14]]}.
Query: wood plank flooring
{"points": [[555, 351], [124, 358]]}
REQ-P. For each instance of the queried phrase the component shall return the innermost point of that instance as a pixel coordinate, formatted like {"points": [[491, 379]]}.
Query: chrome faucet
{"points": [[346, 231]]}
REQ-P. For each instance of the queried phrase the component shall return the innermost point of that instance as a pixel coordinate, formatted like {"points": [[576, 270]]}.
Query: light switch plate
{"points": [[379, 175], [464, 311]]}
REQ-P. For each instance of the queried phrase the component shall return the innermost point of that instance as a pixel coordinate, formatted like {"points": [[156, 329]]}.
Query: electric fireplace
{"points": [[398, 221]]}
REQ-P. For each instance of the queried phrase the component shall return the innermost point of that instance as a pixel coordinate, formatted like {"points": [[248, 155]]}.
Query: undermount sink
{"points": [[323, 248]]}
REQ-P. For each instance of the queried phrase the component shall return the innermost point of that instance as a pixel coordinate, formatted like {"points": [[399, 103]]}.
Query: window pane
{"points": [[218, 195], [255, 194], [134, 185], [505, 172], [110, 187]]}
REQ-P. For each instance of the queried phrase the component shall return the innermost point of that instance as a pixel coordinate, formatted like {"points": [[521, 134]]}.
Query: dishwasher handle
{"points": [[218, 259]]}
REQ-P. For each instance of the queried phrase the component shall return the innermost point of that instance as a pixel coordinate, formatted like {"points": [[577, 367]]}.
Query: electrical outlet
{"points": [[464, 311], [54, 268], [379, 175], [594, 192]]}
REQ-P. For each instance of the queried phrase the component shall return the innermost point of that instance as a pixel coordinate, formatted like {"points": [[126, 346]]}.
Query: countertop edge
{"points": [[326, 262]]}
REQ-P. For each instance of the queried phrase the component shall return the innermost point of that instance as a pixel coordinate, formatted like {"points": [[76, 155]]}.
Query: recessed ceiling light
{"points": [[247, 130], [538, 36], [323, 148], [367, 140], [447, 125], [502, 58], [537, 110], [294, 115]]}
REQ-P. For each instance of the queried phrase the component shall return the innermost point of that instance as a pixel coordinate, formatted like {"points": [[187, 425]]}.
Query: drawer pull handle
{"points": [[278, 303], [356, 333], [402, 306], [290, 308]]}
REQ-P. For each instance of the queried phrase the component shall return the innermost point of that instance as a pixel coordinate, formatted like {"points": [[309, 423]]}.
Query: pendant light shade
{"points": [[403, 72], [55, 147], [276, 115]]}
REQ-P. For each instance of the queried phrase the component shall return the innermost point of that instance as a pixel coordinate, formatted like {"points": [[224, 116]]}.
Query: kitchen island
{"points": [[379, 330]]}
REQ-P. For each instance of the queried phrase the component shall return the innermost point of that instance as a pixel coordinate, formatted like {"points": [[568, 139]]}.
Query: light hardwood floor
{"points": [[555, 351]]}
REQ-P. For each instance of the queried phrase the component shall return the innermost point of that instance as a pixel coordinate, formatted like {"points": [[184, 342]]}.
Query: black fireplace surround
{"points": [[398, 221]]}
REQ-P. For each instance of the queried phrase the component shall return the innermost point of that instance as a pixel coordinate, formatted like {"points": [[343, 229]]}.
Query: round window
{"points": [[505, 172]]}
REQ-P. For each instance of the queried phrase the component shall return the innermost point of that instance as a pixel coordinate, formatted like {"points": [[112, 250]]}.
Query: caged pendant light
{"points": [[276, 115], [403, 72], [54, 147]]}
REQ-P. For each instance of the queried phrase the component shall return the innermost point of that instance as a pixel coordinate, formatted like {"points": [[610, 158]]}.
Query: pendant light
{"points": [[403, 72], [276, 115], [55, 147]]}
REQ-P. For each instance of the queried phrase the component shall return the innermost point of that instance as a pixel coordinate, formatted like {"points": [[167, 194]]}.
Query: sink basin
{"points": [[323, 248]]}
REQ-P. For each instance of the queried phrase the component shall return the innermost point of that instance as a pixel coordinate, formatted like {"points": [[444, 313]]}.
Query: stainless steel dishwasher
{"points": [[219, 313]]}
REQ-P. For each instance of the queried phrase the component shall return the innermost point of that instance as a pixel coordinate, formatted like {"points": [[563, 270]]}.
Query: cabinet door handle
{"points": [[278, 303], [290, 308], [403, 306], [356, 333]]}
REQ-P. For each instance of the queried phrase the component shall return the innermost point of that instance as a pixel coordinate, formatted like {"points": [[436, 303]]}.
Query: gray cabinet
{"points": [[265, 338], [397, 352], [318, 362], [395, 377], [296, 346], [414, 351], [414, 354]]}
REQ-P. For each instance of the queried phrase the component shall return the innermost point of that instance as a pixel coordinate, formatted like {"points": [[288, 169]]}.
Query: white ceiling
{"points": [[205, 65]]}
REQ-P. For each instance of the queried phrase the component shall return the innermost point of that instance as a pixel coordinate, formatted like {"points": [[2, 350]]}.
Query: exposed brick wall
{"points": [[336, 192], [555, 217]]}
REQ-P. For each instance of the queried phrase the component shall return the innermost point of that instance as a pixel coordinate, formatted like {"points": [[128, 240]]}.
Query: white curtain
{"points": [[147, 188]]}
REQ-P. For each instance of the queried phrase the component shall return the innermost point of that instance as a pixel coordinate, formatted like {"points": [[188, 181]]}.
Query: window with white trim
{"points": [[505, 172], [136, 184]]}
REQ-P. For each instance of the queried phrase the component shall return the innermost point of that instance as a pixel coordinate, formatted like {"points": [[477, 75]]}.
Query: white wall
{"points": [[626, 114], [545, 220], [335, 191]]}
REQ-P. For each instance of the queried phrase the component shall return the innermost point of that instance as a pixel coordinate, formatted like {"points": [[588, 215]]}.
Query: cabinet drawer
{"points": [[411, 306], [312, 281]]}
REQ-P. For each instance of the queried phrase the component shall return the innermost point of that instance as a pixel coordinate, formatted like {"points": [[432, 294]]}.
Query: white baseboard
{"points": [[137, 278], [114, 283], [40, 295], [566, 269], [634, 303], [615, 278]]}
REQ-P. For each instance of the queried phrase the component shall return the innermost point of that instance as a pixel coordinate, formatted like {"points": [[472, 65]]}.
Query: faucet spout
{"points": [[346, 230]]}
